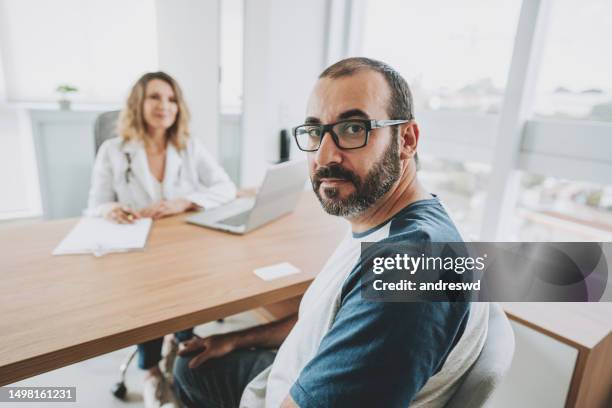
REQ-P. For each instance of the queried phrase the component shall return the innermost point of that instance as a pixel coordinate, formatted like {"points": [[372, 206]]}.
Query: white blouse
{"points": [[158, 191], [121, 175]]}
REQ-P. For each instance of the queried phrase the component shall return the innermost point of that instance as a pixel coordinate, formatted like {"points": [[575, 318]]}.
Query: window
{"points": [[574, 80], [462, 188], [553, 209], [100, 47], [454, 55]]}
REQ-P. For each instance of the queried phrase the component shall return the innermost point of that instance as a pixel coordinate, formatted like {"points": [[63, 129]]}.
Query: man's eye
{"points": [[352, 129], [314, 132]]}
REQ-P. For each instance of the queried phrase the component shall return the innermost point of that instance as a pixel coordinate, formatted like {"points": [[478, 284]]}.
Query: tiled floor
{"points": [[94, 378]]}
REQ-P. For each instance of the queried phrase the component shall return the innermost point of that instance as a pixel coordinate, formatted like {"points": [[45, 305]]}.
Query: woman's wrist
{"points": [[188, 205]]}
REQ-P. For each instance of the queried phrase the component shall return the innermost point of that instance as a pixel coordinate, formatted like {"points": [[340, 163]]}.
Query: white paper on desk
{"points": [[272, 272], [98, 236]]}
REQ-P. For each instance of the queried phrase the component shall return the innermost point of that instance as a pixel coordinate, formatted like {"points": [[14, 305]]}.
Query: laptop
{"points": [[278, 195]]}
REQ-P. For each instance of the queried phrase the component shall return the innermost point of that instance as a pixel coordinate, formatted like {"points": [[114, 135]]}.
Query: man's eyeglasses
{"points": [[346, 134]]}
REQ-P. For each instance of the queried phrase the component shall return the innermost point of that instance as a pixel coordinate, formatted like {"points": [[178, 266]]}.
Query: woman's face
{"points": [[160, 107]]}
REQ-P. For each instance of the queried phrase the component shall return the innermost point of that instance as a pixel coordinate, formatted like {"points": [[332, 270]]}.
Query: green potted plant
{"points": [[64, 90]]}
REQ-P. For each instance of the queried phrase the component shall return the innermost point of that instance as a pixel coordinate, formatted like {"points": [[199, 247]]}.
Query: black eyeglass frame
{"points": [[369, 125]]}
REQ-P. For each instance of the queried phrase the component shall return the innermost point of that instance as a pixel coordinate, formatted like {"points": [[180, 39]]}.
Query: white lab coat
{"points": [[191, 173]]}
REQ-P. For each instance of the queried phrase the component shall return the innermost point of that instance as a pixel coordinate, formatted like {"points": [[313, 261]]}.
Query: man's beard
{"points": [[377, 183]]}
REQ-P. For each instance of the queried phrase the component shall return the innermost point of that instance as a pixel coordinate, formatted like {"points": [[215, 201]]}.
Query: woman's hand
{"points": [[210, 347], [166, 208], [121, 214]]}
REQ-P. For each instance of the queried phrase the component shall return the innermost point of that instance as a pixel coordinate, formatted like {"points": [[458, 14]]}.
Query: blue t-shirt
{"points": [[381, 354]]}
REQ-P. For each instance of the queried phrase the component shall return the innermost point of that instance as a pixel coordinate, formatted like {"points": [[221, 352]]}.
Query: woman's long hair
{"points": [[131, 124]]}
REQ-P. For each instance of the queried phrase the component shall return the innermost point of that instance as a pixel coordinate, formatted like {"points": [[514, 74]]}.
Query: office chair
{"points": [[105, 128], [492, 364]]}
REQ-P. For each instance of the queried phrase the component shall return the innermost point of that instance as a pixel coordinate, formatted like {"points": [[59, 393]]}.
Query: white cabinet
{"points": [[64, 145]]}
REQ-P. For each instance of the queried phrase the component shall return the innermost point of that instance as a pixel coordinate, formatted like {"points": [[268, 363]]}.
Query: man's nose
{"points": [[328, 151]]}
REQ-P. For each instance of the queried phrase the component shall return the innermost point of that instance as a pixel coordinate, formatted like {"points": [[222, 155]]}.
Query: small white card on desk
{"points": [[272, 272]]}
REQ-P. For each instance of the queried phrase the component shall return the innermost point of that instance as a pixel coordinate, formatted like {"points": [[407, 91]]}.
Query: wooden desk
{"points": [[56, 311]]}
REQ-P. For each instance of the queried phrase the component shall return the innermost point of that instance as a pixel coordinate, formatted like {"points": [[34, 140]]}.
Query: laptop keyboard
{"points": [[236, 220]]}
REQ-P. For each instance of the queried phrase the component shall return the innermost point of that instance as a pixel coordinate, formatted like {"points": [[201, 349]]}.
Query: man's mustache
{"points": [[336, 172]]}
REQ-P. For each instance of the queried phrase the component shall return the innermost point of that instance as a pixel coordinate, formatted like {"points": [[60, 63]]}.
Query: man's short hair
{"points": [[400, 104]]}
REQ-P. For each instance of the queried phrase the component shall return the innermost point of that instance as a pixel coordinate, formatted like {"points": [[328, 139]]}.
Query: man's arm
{"points": [[265, 336], [379, 354]]}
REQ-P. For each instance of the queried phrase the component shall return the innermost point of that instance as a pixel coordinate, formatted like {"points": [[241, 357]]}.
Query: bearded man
{"points": [[344, 351]]}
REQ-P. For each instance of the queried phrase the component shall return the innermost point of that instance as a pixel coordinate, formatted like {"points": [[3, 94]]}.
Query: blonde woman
{"points": [[155, 169]]}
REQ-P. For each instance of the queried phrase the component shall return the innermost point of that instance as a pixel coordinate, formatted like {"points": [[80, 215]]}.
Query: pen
{"points": [[128, 214]]}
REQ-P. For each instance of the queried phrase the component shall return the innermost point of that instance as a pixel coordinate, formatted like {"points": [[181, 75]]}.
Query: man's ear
{"points": [[409, 139]]}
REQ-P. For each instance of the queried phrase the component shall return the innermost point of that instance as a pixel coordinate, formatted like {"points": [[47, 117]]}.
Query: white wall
{"points": [[284, 46], [188, 49]]}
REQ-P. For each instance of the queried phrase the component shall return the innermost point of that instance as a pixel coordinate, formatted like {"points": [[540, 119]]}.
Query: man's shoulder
{"points": [[422, 222], [421, 227]]}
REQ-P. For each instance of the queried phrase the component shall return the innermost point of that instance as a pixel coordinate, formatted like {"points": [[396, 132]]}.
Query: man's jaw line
{"points": [[403, 192]]}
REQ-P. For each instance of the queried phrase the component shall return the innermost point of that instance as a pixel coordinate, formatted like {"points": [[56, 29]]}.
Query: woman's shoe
{"points": [[157, 392], [166, 365]]}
